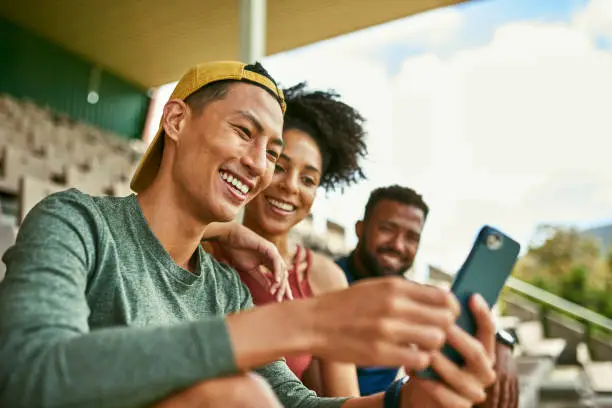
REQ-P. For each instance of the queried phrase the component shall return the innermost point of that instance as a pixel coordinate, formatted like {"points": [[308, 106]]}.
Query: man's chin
{"points": [[387, 269], [226, 214], [393, 270]]}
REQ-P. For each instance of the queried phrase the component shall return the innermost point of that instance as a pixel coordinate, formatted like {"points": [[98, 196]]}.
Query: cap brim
{"points": [[149, 164]]}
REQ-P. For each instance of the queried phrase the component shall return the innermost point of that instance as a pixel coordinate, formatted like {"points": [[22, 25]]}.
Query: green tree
{"points": [[567, 263], [574, 286], [556, 254], [608, 271]]}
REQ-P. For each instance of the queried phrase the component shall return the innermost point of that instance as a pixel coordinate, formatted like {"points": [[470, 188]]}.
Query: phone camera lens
{"points": [[494, 241]]}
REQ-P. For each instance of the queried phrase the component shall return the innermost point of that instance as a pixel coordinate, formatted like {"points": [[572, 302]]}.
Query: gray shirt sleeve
{"points": [[48, 355], [287, 387]]}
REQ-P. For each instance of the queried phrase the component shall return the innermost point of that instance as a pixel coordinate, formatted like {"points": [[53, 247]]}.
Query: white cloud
{"points": [[433, 29], [436, 29], [506, 133], [580, 195], [595, 19]]}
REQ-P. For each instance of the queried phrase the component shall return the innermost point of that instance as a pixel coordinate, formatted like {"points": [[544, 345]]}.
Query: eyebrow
{"points": [[308, 166], [249, 116]]}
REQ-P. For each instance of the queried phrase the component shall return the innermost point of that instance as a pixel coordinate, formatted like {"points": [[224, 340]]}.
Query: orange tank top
{"points": [[300, 289]]}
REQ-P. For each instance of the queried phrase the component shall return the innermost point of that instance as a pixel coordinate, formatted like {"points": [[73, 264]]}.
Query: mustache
{"points": [[390, 251]]}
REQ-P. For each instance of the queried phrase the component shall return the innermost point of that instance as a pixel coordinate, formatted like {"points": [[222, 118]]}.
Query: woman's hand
{"points": [[244, 250]]}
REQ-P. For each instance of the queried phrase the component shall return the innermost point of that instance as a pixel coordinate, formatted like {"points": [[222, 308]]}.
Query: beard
{"points": [[374, 268]]}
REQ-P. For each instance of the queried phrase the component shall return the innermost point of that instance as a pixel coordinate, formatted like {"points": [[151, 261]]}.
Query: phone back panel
{"points": [[485, 271]]}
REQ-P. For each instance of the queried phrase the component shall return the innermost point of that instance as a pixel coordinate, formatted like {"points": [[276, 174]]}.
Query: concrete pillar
{"points": [[252, 30], [252, 47]]}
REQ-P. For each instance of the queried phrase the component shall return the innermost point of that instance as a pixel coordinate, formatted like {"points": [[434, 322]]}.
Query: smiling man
{"points": [[388, 240], [112, 302]]}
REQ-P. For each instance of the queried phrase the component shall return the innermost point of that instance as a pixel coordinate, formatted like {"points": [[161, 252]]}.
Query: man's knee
{"points": [[244, 391]]}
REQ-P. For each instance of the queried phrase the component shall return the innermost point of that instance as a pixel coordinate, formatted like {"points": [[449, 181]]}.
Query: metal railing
{"points": [[589, 318], [549, 301]]}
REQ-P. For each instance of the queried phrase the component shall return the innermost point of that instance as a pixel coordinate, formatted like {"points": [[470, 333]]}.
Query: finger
{"points": [[431, 295], [474, 354], [416, 312], [462, 381], [281, 281], [505, 385], [406, 333], [279, 294], [278, 276], [273, 260], [485, 327], [513, 393], [392, 355], [274, 286], [443, 395], [282, 291], [493, 394], [260, 276], [270, 254], [509, 388], [264, 277], [288, 291]]}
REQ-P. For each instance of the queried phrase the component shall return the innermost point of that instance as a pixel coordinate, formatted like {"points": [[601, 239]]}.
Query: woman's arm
{"points": [[329, 378], [244, 250]]}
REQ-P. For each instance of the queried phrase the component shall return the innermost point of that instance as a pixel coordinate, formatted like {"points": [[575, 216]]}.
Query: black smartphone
{"points": [[485, 271]]}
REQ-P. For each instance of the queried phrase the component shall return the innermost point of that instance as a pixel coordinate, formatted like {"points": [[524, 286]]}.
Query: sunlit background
{"points": [[498, 112]]}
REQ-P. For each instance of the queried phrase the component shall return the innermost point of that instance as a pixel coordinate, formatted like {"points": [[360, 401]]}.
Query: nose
{"points": [[289, 182], [398, 243], [256, 160]]}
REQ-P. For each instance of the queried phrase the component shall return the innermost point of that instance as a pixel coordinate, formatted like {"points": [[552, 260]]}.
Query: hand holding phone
{"points": [[485, 272]]}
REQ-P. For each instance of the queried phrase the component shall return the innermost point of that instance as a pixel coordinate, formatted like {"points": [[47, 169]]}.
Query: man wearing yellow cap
{"points": [[111, 302]]}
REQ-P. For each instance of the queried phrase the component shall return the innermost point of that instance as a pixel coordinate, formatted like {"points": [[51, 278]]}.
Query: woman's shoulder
{"points": [[325, 275]]}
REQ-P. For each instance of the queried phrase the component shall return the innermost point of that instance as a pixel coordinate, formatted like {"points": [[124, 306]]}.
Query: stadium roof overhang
{"points": [[152, 42]]}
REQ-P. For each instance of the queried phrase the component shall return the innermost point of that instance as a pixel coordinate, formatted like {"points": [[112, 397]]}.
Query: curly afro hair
{"points": [[337, 129]]}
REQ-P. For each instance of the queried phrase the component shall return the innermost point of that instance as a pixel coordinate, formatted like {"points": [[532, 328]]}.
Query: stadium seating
{"points": [[43, 152]]}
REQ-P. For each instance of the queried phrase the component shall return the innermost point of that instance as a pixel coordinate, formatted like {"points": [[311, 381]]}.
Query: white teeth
{"points": [[281, 205], [234, 182]]}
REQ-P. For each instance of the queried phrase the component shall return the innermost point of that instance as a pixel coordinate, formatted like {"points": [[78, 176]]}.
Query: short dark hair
{"points": [[336, 128], [403, 195], [207, 94], [218, 90]]}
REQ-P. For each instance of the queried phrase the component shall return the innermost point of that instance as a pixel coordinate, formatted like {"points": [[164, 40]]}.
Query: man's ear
{"points": [[359, 229], [174, 117]]}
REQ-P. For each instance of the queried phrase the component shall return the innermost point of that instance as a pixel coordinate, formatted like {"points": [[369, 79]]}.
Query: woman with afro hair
{"points": [[324, 142]]}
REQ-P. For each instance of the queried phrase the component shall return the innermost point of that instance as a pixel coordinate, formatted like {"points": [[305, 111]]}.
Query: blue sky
{"points": [[481, 19]]}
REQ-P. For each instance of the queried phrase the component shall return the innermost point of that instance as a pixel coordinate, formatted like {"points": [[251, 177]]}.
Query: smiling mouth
{"points": [[234, 182], [391, 257], [281, 206]]}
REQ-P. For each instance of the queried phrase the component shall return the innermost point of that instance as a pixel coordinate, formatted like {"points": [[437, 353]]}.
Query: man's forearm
{"points": [[114, 367], [267, 333]]}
